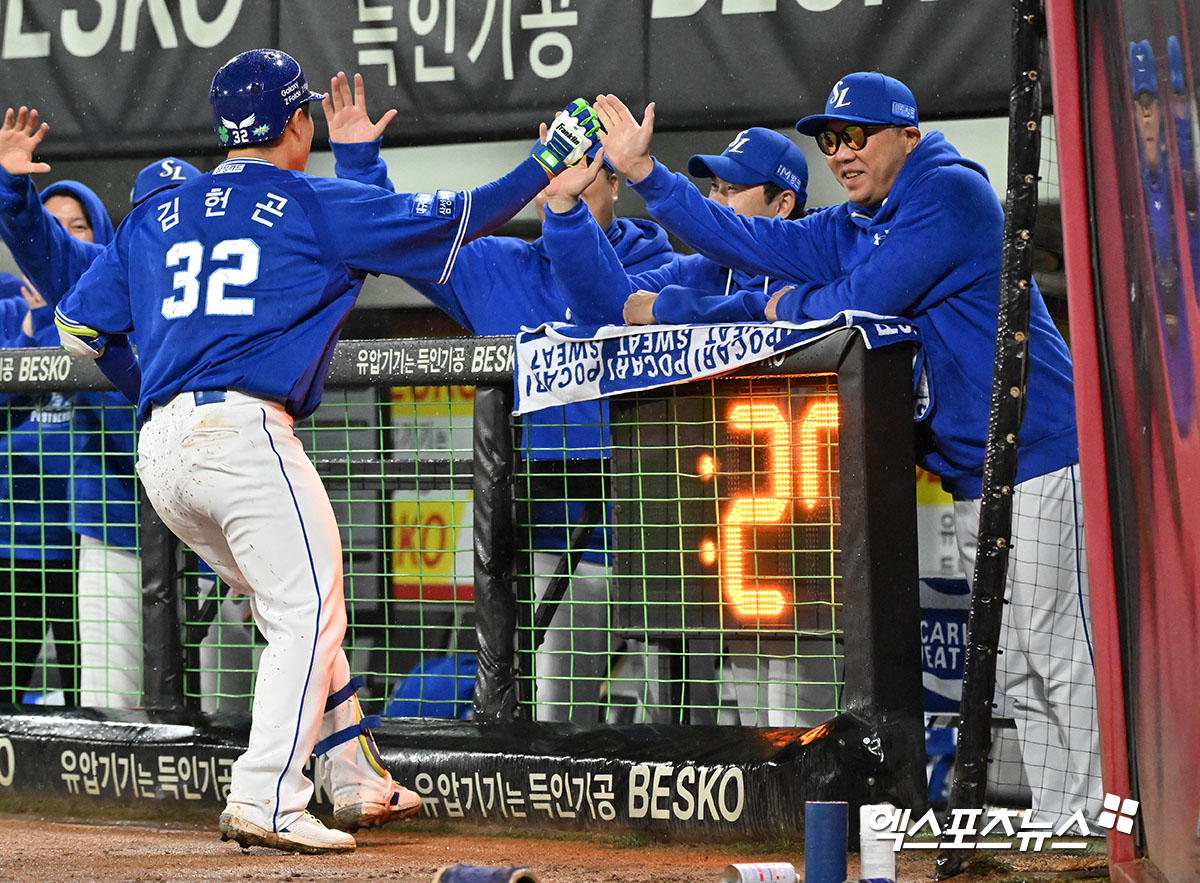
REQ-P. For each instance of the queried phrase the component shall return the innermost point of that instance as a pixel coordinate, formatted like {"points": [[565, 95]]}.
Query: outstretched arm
{"points": [[561, 145], [355, 140], [47, 254]]}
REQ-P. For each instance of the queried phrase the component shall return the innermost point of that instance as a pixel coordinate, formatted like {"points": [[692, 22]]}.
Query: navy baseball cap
{"points": [[1142, 77], [867, 97], [756, 156], [254, 94], [160, 176]]}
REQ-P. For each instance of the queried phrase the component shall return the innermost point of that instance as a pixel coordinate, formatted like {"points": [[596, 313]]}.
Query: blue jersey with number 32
{"points": [[242, 278]]}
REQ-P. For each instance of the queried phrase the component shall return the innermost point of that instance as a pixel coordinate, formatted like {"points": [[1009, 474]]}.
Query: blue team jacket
{"points": [[103, 487], [35, 460], [691, 288], [498, 285], [931, 253]]}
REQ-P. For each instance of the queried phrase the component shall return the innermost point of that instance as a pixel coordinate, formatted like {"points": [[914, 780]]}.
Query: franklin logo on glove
{"points": [[568, 138]]}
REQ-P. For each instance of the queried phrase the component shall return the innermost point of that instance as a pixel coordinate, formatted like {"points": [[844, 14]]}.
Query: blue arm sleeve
{"points": [[491, 204], [47, 254], [678, 305], [495, 203], [120, 365], [445, 297], [360, 161], [42, 318], [106, 307], [586, 267], [768, 246]]}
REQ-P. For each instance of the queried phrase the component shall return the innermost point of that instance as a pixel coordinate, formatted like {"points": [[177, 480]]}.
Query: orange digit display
{"points": [[750, 598], [759, 600], [822, 415]]}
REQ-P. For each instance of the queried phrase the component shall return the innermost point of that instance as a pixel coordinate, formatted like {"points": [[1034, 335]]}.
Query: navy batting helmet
{"points": [[254, 94]]}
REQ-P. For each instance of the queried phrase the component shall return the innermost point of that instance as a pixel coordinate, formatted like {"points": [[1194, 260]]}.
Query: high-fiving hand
{"points": [[19, 138], [565, 141], [567, 186], [626, 141], [346, 112]]}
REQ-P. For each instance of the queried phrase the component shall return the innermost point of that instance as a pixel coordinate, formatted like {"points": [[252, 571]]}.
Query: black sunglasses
{"points": [[854, 137]]}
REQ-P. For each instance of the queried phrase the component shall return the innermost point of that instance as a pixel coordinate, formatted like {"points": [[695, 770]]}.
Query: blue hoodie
{"points": [[103, 487], [34, 453], [500, 284], [931, 252], [10, 289], [596, 281]]}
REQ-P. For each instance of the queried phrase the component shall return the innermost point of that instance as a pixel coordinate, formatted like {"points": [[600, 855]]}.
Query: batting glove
{"points": [[567, 138]]}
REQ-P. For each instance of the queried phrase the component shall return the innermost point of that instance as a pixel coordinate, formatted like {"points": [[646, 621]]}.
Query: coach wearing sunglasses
{"points": [[920, 237]]}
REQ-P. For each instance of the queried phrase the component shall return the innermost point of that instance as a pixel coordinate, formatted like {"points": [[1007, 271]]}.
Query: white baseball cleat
{"points": [[307, 834], [372, 813]]}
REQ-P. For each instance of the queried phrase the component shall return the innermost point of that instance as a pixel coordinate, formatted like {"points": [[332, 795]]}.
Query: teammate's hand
{"points": [[567, 138], [639, 308], [19, 138], [626, 140], [770, 310], [564, 189], [346, 112], [35, 301], [32, 296]]}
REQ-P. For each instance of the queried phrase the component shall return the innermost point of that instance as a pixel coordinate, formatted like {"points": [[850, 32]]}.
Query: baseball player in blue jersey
{"points": [[920, 237], [235, 286], [54, 236], [499, 284]]}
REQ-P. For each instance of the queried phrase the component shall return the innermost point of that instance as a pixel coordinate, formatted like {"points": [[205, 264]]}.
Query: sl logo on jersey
{"points": [[839, 97]]}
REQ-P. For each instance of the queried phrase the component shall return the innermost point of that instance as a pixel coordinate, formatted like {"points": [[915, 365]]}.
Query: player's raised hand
{"points": [[564, 142], [19, 138], [565, 188], [639, 308], [346, 112], [625, 139]]}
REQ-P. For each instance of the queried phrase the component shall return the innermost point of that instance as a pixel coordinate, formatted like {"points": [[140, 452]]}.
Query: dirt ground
{"points": [[48, 849]]}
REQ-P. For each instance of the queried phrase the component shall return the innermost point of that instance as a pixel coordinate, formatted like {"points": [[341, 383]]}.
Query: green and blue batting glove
{"points": [[568, 137]]}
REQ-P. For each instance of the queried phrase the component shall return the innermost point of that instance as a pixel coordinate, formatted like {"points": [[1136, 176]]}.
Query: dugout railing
{"points": [[864, 609]]}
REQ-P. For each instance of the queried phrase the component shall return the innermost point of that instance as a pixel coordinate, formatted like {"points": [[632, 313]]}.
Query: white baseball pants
{"points": [[232, 481], [1045, 671]]}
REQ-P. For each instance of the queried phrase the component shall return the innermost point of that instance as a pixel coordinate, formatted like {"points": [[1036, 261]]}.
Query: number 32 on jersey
{"points": [[243, 255]]}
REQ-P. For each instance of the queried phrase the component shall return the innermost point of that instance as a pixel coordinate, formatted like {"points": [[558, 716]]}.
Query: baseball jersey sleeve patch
{"points": [[445, 203]]}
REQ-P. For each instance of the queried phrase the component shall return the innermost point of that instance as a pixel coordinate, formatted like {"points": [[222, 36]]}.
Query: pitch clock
{"points": [[745, 501]]}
